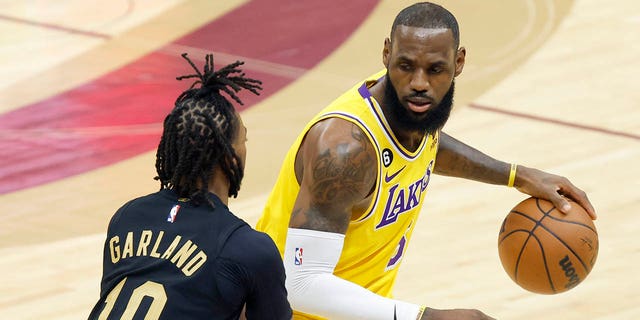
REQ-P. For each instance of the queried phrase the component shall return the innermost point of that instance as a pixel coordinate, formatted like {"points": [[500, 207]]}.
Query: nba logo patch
{"points": [[297, 259], [173, 213]]}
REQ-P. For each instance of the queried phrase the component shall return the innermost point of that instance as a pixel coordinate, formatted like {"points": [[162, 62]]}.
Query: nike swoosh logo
{"points": [[388, 178]]}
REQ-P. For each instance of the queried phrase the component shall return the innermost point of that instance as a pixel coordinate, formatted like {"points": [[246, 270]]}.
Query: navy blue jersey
{"points": [[165, 258]]}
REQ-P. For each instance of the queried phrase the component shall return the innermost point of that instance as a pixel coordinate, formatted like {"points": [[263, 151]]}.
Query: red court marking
{"points": [[555, 121], [292, 33], [55, 27]]}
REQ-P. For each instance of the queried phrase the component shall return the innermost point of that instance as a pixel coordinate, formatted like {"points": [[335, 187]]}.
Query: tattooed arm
{"points": [[457, 159], [336, 167]]}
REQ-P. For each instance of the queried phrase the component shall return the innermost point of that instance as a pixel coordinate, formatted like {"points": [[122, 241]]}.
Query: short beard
{"points": [[430, 122]]}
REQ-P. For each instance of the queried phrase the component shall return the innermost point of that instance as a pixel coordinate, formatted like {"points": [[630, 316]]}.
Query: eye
{"points": [[436, 70], [405, 66]]}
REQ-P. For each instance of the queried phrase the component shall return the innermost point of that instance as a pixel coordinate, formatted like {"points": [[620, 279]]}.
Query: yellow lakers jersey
{"points": [[375, 243]]}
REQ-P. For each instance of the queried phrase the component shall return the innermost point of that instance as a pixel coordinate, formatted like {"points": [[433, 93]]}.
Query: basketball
{"points": [[544, 250]]}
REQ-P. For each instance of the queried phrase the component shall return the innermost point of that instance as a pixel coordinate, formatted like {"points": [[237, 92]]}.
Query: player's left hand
{"points": [[552, 187]]}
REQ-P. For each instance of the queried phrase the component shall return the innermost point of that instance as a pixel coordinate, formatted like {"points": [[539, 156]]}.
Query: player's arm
{"points": [[268, 296], [249, 270], [336, 166], [457, 159]]}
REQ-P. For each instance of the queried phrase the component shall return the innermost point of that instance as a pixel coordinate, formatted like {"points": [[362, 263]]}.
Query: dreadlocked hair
{"points": [[198, 133]]}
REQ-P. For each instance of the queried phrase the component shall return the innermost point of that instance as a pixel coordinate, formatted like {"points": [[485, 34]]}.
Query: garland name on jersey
{"points": [[184, 254]]}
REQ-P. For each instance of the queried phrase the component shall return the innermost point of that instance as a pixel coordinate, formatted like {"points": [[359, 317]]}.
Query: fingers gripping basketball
{"points": [[545, 251]]}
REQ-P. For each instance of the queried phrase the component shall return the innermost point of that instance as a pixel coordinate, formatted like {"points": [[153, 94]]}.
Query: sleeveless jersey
{"points": [[375, 243]]}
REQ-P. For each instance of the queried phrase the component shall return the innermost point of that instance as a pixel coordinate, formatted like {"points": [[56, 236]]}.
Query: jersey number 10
{"points": [[150, 289]]}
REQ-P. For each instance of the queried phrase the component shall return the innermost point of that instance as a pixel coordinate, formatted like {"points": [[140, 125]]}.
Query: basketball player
{"points": [[180, 253], [352, 185]]}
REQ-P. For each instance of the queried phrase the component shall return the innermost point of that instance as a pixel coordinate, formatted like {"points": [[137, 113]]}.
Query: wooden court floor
{"points": [[548, 83]]}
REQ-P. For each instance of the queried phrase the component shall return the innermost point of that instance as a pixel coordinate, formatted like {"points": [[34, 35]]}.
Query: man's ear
{"points": [[386, 51], [460, 58]]}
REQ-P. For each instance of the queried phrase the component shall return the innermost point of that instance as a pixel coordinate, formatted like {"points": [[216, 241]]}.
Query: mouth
{"points": [[419, 105]]}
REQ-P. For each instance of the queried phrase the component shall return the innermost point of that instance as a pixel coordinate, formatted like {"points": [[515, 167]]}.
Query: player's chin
{"points": [[420, 116]]}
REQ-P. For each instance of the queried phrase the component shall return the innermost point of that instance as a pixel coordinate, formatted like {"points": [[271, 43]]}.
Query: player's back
{"points": [[165, 258]]}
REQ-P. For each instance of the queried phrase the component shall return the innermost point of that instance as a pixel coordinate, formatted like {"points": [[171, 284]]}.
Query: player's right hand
{"points": [[454, 314]]}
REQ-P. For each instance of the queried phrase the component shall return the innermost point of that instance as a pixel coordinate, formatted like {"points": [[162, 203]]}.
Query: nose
{"points": [[420, 81]]}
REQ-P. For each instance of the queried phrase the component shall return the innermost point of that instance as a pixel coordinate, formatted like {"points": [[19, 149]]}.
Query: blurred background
{"points": [[84, 87]]}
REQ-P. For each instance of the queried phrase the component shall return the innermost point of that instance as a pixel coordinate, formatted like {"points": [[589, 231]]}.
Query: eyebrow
{"points": [[440, 64], [404, 57], [407, 58]]}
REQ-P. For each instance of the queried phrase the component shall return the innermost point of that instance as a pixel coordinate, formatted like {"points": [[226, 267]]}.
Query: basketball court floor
{"points": [[84, 86]]}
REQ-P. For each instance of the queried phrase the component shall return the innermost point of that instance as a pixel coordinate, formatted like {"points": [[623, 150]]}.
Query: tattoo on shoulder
{"points": [[342, 175], [357, 134], [342, 172]]}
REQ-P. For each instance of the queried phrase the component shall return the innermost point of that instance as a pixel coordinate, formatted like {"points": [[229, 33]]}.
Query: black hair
{"points": [[198, 133], [427, 15]]}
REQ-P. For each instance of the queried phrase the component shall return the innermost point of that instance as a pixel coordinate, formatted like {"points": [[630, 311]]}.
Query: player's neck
{"points": [[219, 185]]}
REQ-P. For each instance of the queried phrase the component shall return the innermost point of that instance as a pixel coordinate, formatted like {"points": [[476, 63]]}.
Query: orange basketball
{"points": [[544, 250]]}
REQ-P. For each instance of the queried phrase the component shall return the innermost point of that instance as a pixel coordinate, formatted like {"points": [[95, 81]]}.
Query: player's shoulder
{"points": [[247, 237], [148, 202], [250, 247], [338, 133], [154, 198]]}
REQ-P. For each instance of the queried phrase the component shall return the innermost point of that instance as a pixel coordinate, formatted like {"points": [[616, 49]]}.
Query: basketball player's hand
{"points": [[552, 187], [454, 314]]}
